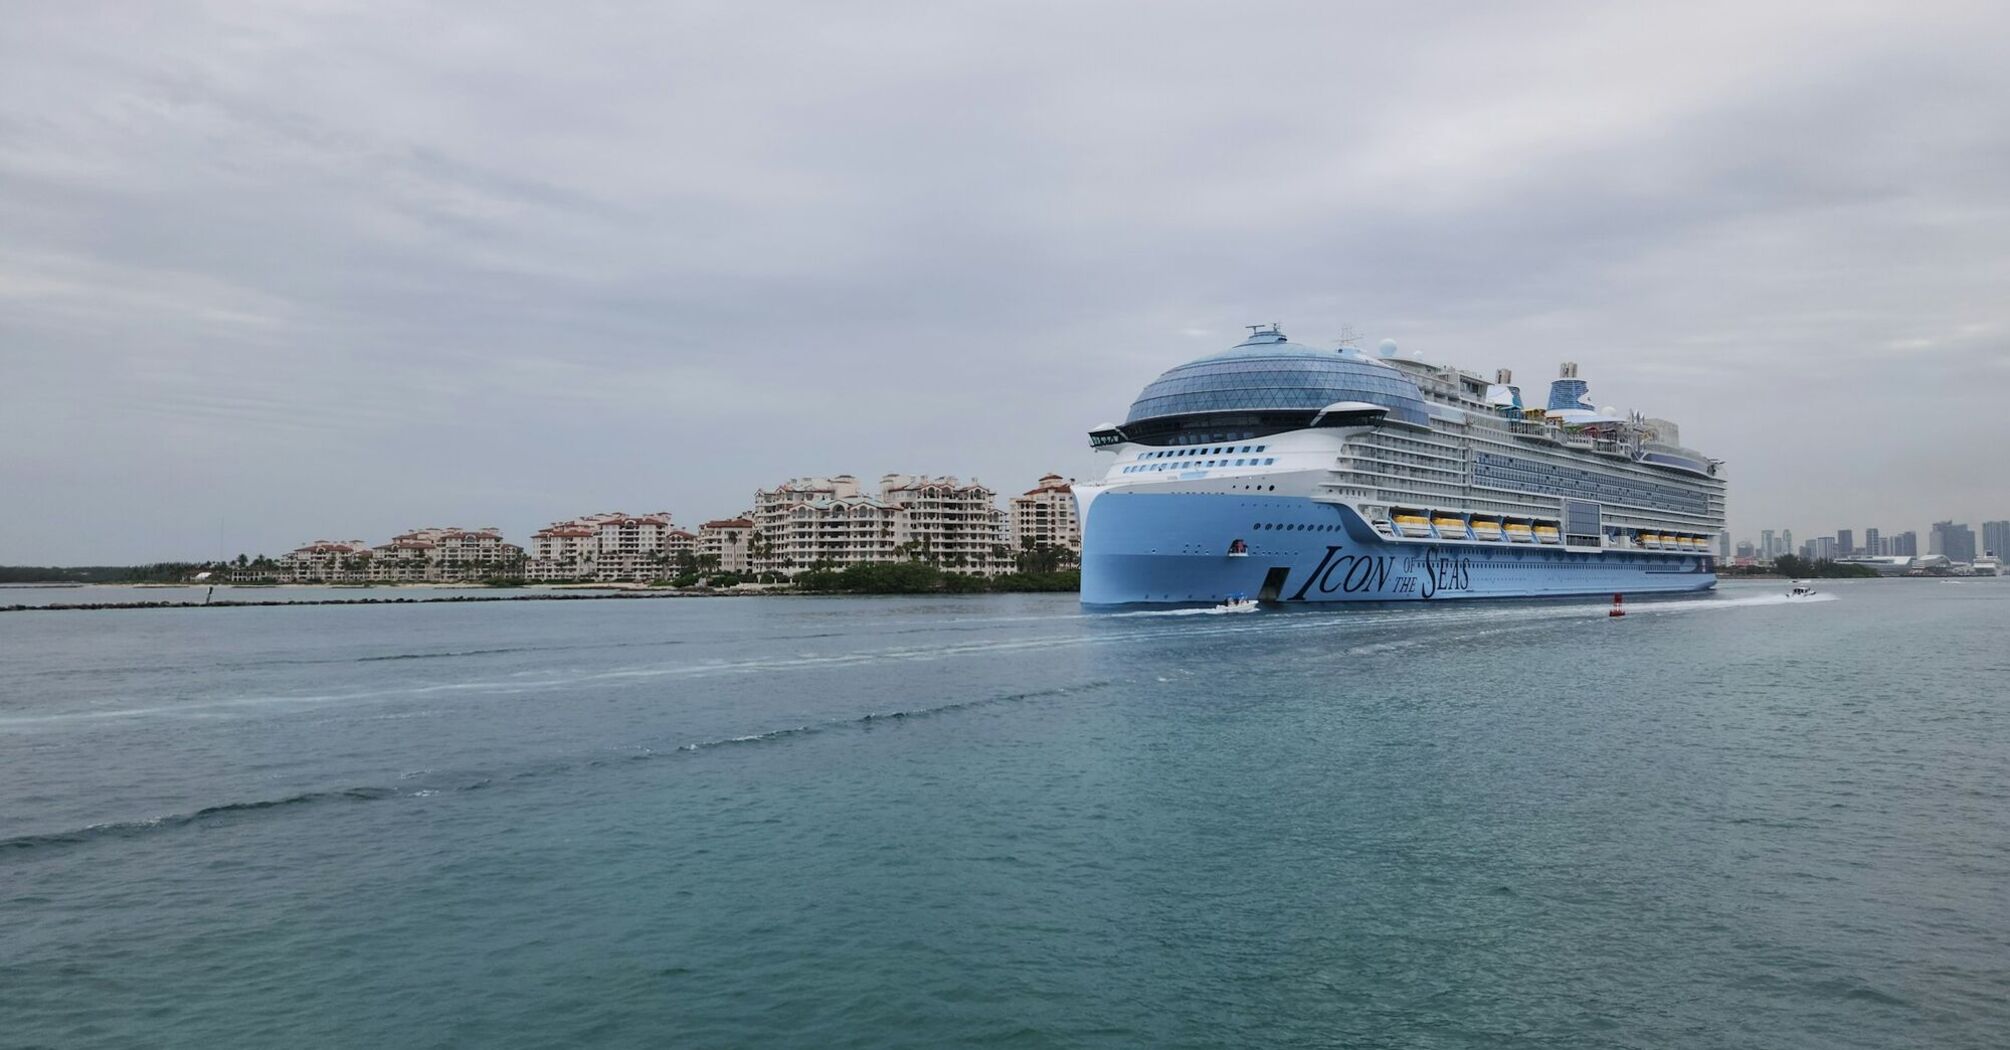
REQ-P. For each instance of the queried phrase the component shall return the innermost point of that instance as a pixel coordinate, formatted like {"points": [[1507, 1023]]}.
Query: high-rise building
{"points": [[1044, 517], [327, 561], [1873, 543], [1954, 541], [1723, 545], [723, 543], [1786, 539], [610, 546], [830, 523], [1905, 544], [1996, 538], [1845, 543], [1767, 552], [1825, 548], [446, 555]]}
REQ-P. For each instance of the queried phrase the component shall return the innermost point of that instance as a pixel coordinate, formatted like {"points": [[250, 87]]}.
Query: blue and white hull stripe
{"points": [[1141, 547]]}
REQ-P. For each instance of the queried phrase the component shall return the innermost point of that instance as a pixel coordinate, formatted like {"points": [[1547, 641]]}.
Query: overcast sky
{"points": [[277, 271]]}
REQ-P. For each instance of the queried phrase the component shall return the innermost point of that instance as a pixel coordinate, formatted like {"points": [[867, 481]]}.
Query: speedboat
{"points": [[1237, 605], [1801, 589]]}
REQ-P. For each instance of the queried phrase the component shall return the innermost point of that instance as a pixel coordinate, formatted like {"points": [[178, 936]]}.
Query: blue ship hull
{"points": [[1157, 548]]}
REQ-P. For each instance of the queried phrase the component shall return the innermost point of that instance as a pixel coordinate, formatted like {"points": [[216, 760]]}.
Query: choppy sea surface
{"points": [[1730, 821]]}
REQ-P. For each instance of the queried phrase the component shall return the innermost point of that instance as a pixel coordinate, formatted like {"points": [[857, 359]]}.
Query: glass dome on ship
{"points": [[1265, 385], [1298, 473]]}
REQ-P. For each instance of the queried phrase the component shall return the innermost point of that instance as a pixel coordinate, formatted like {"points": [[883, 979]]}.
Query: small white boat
{"points": [[1801, 589], [1237, 605]]}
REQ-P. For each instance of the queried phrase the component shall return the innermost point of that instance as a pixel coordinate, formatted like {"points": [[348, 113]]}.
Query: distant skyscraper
{"points": [[1873, 543], [1845, 543], [1825, 547], [1723, 545], [1955, 541], [1905, 545], [1746, 550], [1766, 550], [1787, 541], [1996, 538]]}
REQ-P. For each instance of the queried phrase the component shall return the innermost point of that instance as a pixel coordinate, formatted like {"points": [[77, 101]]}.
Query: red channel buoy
{"points": [[1618, 605]]}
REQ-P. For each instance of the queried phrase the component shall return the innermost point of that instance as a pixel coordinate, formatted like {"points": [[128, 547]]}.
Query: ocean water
{"points": [[1732, 821]]}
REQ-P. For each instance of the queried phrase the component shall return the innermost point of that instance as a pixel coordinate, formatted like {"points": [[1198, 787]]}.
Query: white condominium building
{"points": [[947, 523], [562, 551], [445, 555], [1044, 516], [819, 523], [327, 561], [438, 555], [723, 544], [829, 523], [612, 546]]}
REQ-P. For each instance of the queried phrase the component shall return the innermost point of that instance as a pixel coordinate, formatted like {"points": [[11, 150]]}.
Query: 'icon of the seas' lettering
{"points": [[1424, 575]]}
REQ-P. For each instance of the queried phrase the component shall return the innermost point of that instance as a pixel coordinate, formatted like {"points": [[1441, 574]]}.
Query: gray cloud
{"points": [[275, 271]]}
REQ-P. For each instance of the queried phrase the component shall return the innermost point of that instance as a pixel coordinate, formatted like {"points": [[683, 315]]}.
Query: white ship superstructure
{"points": [[1299, 473]]}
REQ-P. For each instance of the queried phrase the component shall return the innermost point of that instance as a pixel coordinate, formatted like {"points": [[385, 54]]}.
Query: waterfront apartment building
{"points": [[611, 547], [446, 555], [806, 523], [1905, 544], [834, 523], [326, 561], [946, 523], [724, 544], [1044, 517], [1873, 543], [428, 555], [1845, 543]]}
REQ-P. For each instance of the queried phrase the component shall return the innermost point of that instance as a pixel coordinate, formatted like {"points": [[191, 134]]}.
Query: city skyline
{"points": [[265, 269]]}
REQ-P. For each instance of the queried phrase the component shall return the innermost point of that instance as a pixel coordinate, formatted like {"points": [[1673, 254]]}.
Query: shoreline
{"points": [[234, 603]]}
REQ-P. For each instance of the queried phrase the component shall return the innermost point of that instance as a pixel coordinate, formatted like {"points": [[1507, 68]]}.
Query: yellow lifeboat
{"points": [[1450, 527], [1415, 526], [1547, 533], [1519, 532], [1650, 540], [1486, 528]]}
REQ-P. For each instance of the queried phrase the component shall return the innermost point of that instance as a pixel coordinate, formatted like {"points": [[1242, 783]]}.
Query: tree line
{"points": [[158, 572]]}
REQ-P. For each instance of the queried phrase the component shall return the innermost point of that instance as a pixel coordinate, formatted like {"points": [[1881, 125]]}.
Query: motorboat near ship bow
{"points": [[1299, 474]]}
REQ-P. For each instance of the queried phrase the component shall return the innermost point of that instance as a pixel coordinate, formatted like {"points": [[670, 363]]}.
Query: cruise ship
{"points": [[1291, 473]]}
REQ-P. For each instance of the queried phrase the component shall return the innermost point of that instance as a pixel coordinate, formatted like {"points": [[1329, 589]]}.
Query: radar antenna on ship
{"points": [[1348, 337]]}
